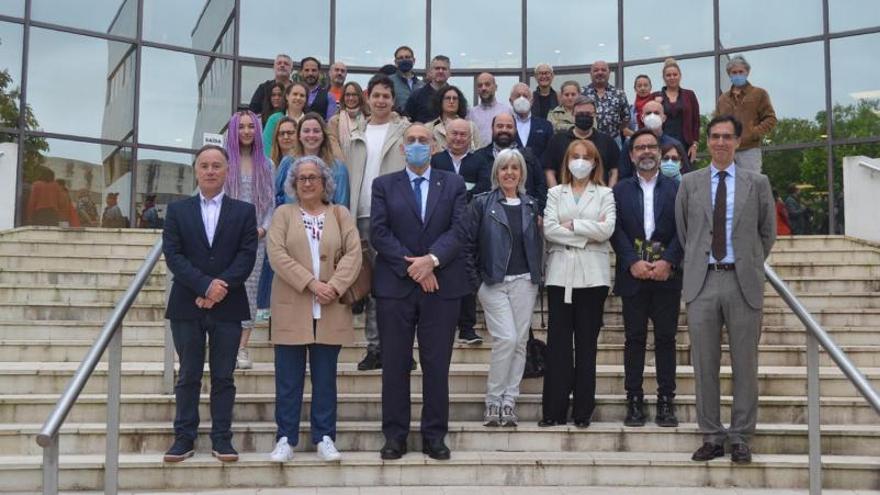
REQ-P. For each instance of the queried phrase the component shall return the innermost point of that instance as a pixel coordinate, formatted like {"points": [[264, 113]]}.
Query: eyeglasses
{"points": [[450, 98], [646, 147], [674, 158], [306, 179], [287, 133], [721, 137]]}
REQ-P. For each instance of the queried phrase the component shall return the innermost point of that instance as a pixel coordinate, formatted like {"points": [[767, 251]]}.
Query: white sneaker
{"points": [[243, 361], [282, 452], [327, 451]]}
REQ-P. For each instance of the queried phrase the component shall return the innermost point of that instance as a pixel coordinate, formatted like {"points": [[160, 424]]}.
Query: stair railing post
{"points": [[114, 393], [814, 429], [50, 467]]}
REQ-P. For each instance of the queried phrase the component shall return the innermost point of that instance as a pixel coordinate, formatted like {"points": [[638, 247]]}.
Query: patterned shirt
{"points": [[612, 110]]}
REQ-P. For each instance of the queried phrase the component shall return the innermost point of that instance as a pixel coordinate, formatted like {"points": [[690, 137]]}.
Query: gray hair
{"points": [[738, 60], [583, 100], [326, 177], [505, 157], [544, 65]]}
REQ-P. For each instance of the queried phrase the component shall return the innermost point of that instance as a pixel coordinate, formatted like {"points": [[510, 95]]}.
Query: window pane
{"points": [[307, 33], [469, 40], [844, 15], [505, 85], [251, 77], [359, 43], [162, 177], [855, 87], [778, 20], [645, 36], [93, 180], [466, 85], [118, 17], [806, 172], [12, 7], [202, 25], [10, 73], [799, 107], [551, 41], [96, 97], [177, 111]]}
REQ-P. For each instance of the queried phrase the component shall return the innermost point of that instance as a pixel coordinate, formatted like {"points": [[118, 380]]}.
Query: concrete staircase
{"points": [[57, 287]]}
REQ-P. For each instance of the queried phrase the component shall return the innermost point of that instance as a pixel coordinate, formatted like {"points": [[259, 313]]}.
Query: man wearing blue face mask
{"points": [[751, 106], [405, 81], [418, 282]]}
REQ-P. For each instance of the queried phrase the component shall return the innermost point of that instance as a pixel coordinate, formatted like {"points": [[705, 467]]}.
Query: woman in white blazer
{"points": [[578, 222]]}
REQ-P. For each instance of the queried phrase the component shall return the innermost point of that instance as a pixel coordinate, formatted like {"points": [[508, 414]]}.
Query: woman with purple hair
{"points": [[250, 179]]}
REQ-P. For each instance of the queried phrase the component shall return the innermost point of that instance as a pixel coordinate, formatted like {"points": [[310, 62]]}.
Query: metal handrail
{"points": [[816, 335], [110, 337]]}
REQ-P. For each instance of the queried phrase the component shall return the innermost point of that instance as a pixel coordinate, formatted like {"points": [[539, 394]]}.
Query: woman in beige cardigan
{"points": [[578, 222], [315, 251]]}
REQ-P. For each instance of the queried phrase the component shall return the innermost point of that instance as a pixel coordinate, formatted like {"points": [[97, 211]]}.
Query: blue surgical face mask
{"points": [[671, 169], [417, 153], [738, 80]]}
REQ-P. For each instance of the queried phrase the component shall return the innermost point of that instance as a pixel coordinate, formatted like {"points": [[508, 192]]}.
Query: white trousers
{"points": [[508, 308]]}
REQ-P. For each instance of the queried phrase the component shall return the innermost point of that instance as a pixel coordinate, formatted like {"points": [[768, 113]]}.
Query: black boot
{"points": [[665, 412], [635, 411]]}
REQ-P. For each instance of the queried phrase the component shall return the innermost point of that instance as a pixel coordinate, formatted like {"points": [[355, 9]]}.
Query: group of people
{"points": [[440, 204]]}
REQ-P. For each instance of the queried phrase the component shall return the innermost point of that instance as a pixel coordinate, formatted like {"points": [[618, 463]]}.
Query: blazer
{"points": [[630, 205], [754, 231], [392, 159], [536, 183], [194, 263], [396, 230], [579, 258], [470, 170], [291, 257], [539, 135]]}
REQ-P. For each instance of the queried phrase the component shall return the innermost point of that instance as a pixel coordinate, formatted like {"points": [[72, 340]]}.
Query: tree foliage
{"points": [[34, 147]]}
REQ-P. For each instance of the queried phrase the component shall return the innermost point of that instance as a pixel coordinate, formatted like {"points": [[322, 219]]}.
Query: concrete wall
{"points": [[861, 188], [9, 172]]}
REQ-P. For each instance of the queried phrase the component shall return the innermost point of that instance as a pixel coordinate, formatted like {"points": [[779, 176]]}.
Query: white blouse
{"points": [[314, 225]]}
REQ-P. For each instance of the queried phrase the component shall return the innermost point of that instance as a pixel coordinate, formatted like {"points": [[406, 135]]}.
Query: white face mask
{"points": [[522, 105], [652, 121], [580, 168]]}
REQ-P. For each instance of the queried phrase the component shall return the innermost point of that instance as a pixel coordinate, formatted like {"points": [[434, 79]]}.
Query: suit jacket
{"points": [[539, 135], [536, 185], [195, 263], [754, 230], [469, 170], [396, 230], [630, 203]]}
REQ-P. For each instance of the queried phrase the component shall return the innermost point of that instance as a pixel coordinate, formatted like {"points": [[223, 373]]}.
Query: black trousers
{"points": [[572, 369], [467, 318], [661, 306]]}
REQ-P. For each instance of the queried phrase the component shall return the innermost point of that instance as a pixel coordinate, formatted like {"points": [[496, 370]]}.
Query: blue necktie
{"points": [[417, 189]]}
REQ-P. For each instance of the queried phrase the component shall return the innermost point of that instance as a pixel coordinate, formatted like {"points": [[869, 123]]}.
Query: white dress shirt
{"points": [[648, 202], [523, 127], [424, 186], [210, 214]]}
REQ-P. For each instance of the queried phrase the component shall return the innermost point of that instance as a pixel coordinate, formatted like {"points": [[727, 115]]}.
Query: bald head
{"points": [[503, 130], [599, 73], [486, 87]]}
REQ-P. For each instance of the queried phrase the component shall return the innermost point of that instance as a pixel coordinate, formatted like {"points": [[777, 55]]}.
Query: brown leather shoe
{"points": [[708, 451], [740, 453]]}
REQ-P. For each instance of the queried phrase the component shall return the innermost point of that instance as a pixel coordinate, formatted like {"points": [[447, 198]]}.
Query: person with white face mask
{"points": [[532, 132], [578, 222], [653, 117]]}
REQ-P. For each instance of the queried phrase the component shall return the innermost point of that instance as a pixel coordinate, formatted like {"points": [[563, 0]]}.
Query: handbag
{"points": [[536, 349], [360, 288]]}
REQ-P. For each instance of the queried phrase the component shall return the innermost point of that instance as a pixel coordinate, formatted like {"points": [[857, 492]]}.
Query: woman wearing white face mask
{"points": [[578, 222]]}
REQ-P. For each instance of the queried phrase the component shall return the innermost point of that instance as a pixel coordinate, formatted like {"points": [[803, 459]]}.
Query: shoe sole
{"points": [[508, 423], [389, 457], [224, 457], [492, 423], [335, 458], [470, 341], [664, 424], [634, 423], [741, 461], [178, 458], [437, 457], [709, 459], [281, 460]]}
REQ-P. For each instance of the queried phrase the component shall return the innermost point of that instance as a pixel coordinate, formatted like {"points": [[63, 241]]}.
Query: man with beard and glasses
{"points": [[648, 279], [318, 100], [504, 137], [653, 117], [585, 128]]}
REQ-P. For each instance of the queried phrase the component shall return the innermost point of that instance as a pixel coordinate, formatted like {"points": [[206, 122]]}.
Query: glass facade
{"points": [[111, 97]]}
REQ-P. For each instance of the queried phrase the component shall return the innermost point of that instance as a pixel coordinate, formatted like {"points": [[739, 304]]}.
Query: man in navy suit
{"points": [[648, 280], [531, 129], [210, 245], [418, 282]]}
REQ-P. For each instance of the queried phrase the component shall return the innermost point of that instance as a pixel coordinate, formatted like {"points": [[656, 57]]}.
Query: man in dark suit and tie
{"points": [[418, 282], [532, 132], [648, 280], [726, 222], [210, 245]]}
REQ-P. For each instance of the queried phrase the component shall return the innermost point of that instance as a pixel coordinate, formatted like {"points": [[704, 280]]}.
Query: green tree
{"points": [[34, 147]]}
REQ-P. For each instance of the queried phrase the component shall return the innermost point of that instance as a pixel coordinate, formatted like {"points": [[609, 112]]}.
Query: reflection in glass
{"points": [[799, 177], [800, 102], [10, 73], [466, 85], [97, 93], [178, 111], [488, 35], [857, 203], [117, 17], [757, 21], [205, 25], [855, 87], [251, 77], [77, 185], [660, 29], [13, 8], [597, 40], [505, 85], [358, 43], [162, 177], [298, 28], [844, 15]]}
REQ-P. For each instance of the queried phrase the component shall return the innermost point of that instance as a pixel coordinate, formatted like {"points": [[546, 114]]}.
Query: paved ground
{"points": [[507, 490]]}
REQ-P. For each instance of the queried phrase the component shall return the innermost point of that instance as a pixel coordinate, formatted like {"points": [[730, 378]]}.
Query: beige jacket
{"points": [[392, 158], [580, 258], [438, 128], [561, 119], [291, 258]]}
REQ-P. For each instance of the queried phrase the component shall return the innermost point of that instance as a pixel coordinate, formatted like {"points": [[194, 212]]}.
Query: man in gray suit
{"points": [[727, 224]]}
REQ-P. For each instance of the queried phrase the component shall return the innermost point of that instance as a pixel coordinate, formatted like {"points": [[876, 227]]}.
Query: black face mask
{"points": [[583, 121]]}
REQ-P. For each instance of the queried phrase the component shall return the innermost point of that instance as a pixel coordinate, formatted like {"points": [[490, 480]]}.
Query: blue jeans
{"points": [[189, 342], [264, 285], [290, 370]]}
